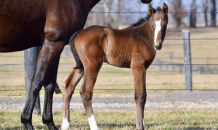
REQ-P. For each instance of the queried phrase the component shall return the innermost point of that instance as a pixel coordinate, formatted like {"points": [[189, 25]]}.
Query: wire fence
{"points": [[136, 12], [157, 70], [127, 90], [151, 72]]}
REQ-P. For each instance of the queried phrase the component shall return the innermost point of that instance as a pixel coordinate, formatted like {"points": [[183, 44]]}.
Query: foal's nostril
{"points": [[159, 46]]}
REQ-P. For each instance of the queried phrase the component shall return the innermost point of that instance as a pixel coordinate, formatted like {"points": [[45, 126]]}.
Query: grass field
{"points": [[165, 120], [203, 45], [12, 76]]}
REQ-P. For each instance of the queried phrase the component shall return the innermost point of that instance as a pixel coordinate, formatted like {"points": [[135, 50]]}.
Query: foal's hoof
{"points": [[28, 126], [51, 126]]}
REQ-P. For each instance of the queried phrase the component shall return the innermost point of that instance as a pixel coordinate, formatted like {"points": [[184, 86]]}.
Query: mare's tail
{"points": [[79, 63]]}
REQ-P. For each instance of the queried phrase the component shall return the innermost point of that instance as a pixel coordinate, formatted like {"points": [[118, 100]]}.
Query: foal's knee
{"points": [[141, 98], [86, 96]]}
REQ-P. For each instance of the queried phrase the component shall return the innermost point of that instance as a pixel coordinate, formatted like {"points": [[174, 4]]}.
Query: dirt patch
{"points": [[207, 101]]}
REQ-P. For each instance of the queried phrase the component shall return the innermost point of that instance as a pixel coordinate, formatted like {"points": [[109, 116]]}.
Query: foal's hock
{"points": [[133, 47]]}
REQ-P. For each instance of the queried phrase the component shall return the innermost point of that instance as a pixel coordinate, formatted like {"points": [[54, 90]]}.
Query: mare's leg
{"points": [[68, 90], [86, 91], [49, 53], [139, 73], [49, 85]]}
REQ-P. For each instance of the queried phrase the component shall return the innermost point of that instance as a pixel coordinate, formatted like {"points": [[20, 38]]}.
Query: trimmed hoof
{"points": [[51, 126], [28, 126]]}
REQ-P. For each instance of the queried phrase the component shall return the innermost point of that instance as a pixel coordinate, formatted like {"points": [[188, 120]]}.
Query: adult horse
{"points": [[45, 23], [133, 47]]}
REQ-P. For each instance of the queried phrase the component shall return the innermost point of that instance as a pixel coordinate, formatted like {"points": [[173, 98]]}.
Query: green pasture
{"points": [[164, 120]]}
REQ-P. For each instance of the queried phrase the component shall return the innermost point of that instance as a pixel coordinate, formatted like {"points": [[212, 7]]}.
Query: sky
{"points": [[155, 3], [186, 4]]}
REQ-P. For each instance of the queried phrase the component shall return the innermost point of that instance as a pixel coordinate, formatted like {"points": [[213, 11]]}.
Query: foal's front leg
{"points": [[139, 73], [86, 92]]}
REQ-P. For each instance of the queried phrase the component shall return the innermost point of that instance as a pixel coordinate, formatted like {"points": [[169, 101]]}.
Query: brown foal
{"points": [[133, 47]]}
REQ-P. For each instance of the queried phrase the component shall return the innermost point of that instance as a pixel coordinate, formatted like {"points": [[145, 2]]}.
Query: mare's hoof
{"points": [[51, 126], [28, 126]]}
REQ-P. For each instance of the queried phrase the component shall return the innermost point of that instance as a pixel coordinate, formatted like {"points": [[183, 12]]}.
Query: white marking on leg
{"points": [[65, 125], [92, 123], [157, 30]]}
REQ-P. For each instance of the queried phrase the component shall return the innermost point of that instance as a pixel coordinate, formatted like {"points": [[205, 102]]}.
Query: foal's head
{"points": [[158, 24]]}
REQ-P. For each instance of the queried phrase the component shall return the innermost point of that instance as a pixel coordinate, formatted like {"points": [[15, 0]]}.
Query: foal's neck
{"points": [[145, 31]]}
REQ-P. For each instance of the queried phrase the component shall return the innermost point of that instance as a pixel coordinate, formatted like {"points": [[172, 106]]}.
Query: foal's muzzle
{"points": [[159, 46]]}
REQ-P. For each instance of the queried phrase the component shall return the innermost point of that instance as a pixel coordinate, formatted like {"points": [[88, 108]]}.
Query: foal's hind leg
{"points": [[68, 90], [86, 91], [139, 73]]}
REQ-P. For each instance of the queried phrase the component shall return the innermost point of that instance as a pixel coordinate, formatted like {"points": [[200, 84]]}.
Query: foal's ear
{"points": [[165, 8], [151, 9]]}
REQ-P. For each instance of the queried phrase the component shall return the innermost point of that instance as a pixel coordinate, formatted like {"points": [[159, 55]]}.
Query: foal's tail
{"points": [[79, 63]]}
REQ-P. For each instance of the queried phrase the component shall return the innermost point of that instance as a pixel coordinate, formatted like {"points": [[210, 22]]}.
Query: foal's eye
{"points": [[152, 26]]}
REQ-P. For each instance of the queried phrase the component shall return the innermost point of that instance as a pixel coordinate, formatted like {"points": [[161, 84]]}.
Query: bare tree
{"points": [[117, 23], [96, 18], [213, 13], [177, 8], [205, 6], [113, 19], [139, 8], [109, 16], [192, 20]]}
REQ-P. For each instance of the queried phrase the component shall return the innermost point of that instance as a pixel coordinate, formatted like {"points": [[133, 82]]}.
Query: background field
{"points": [[203, 52]]}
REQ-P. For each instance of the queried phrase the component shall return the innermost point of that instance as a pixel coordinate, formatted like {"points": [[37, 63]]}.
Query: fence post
{"points": [[187, 60], [30, 58], [207, 62], [171, 56]]}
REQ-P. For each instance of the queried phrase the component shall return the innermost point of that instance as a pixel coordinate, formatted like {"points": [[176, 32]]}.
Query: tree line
{"points": [[178, 8], [208, 6]]}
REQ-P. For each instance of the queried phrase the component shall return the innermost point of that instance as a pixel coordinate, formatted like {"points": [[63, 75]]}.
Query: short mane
{"points": [[142, 20]]}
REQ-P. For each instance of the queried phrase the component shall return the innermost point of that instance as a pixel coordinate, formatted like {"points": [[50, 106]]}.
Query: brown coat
{"points": [[27, 23]]}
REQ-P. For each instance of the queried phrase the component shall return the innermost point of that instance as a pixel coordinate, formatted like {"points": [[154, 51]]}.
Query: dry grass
{"points": [[199, 48], [12, 77], [186, 120], [115, 78]]}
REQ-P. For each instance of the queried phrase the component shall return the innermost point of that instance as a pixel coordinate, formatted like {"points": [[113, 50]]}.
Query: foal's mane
{"points": [[142, 20]]}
